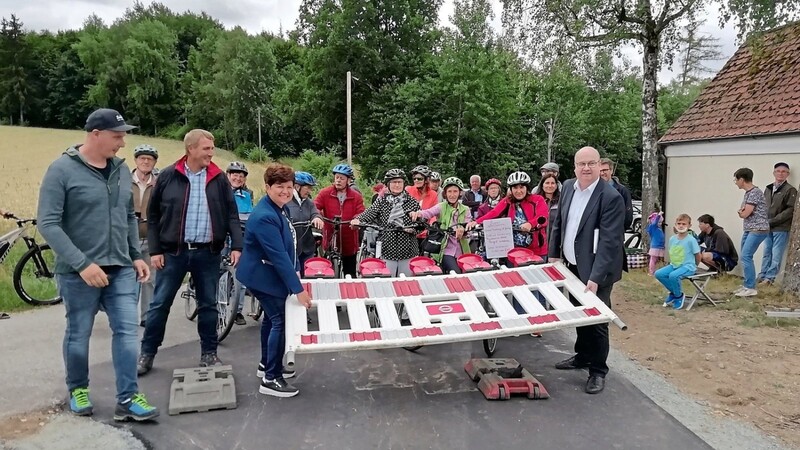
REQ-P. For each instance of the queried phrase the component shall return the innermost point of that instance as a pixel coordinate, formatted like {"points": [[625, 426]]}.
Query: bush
{"points": [[175, 131], [318, 164], [258, 154]]}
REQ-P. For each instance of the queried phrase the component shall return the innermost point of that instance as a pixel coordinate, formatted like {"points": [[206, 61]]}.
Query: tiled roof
{"points": [[756, 93]]}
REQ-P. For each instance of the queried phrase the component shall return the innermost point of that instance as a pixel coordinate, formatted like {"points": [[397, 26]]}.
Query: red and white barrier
{"points": [[442, 309]]}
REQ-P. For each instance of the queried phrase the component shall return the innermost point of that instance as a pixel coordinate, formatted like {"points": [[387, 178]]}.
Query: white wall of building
{"points": [[700, 178]]}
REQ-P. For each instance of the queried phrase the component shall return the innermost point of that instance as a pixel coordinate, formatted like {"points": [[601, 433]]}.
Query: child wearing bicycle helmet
{"points": [[450, 214], [392, 211], [528, 213]]}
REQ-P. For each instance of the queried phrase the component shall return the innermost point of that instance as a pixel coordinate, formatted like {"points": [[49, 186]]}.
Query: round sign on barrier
{"points": [[445, 309]]}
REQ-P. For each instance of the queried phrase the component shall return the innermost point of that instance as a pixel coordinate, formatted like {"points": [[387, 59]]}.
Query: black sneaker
{"points": [[144, 364], [239, 320], [278, 388], [262, 371], [210, 359]]}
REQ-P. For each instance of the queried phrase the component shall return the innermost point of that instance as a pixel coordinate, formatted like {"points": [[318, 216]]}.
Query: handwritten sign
{"points": [[499, 237]]}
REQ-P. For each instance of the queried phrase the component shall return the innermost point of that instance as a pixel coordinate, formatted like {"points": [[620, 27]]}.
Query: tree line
{"points": [[461, 99]]}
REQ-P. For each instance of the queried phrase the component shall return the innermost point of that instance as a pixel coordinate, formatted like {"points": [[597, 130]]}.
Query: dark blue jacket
{"points": [[269, 261]]}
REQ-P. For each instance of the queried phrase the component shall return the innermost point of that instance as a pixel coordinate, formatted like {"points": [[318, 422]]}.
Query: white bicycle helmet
{"points": [[518, 178], [146, 150], [435, 176], [393, 174], [425, 171]]}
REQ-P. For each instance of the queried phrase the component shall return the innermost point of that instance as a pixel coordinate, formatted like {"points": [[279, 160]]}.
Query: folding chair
{"points": [[700, 280]]}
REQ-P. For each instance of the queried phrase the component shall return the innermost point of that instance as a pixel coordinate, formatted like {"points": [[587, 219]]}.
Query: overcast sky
{"points": [[254, 16]]}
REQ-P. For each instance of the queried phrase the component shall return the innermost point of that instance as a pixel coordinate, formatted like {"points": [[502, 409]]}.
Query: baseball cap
{"points": [[105, 119], [781, 164], [550, 166]]}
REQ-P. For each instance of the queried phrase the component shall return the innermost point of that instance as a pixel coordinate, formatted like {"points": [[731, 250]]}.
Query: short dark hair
{"points": [[606, 161], [744, 174], [706, 218], [278, 173]]}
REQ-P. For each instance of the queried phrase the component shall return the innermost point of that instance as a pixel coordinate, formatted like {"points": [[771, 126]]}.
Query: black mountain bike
{"points": [[34, 279]]}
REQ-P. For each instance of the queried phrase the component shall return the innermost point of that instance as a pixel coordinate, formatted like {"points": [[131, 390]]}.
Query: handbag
{"points": [[434, 241]]}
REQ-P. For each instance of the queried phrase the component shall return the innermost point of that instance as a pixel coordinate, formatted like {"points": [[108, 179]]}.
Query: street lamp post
{"points": [[349, 119]]}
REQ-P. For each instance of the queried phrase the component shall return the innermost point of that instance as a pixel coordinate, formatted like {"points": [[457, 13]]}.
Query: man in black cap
{"points": [[780, 197], [86, 215]]}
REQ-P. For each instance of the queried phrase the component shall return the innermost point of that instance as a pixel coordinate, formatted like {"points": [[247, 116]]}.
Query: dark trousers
{"points": [[204, 267], [349, 266], [450, 263], [273, 339], [591, 346]]}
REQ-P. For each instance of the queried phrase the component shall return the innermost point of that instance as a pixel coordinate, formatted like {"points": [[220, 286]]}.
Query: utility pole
{"points": [[349, 119], [259, 127]]}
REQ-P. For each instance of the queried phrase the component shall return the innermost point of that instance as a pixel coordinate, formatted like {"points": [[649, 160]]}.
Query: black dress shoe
{"points": [[571, 363], [595, 384]]}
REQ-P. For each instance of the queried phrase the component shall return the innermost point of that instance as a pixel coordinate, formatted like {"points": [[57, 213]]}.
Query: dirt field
{"points": [[743, 365]]}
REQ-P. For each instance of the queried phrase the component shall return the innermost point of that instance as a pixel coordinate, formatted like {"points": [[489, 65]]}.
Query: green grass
{"points": [[9, 300], [637, 285]]}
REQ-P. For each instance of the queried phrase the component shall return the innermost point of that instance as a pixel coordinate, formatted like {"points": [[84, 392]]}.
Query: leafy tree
{"points": [[15, 64], [653, 25]]}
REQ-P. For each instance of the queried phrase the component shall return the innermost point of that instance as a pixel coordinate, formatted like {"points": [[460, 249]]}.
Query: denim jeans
{"points": [[751, 240], [273, 339], [671, 276], [204, 267], [774, 248], [82, 302]]}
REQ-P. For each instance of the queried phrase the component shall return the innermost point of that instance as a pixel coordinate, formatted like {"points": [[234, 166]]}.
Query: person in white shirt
{"points": [[587, 234]]}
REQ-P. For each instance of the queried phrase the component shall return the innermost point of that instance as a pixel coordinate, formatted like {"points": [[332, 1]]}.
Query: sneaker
{"points": [[765, 282], [79, 403], [210, 359], [678, 302], [239, 320], [747, 293], [145, 364], [669, 300], [261, 372], [739, 289], [135, 408], [278, 388]]}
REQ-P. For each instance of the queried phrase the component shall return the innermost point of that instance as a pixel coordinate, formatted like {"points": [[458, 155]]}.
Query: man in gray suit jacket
{"points": [[587, 234]]}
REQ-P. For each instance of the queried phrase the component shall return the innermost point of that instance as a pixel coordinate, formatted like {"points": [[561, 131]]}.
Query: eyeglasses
{"points": [[581, 165], [605, 170], [419, 179]]}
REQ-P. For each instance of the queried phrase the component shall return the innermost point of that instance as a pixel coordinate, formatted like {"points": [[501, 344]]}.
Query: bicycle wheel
{"points": [[226, 303], [400, 310], [190, 300], [490, 346], [34, 279], [337, 267]]}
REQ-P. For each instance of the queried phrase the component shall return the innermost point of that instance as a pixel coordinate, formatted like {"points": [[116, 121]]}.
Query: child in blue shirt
{"points": [[684, 255], [655, 228]]}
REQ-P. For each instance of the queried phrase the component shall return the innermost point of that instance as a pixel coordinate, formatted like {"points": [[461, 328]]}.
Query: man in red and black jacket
{"points": [[339, 199], [191, 212]]}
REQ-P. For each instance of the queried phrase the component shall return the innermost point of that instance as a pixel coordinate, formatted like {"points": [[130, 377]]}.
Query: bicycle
{"points": [[34, 279], [332, 253], [227, 301]]}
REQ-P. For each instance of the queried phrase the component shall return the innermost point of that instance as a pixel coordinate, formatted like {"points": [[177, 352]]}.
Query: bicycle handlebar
{"points": [[336, 221], [20, 222]]}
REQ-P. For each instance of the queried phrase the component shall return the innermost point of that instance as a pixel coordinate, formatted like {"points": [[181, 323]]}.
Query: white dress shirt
{"points": [[579, 201]]}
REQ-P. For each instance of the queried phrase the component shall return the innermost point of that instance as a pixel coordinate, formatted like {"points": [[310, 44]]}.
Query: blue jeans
{"points": [[774, 248], [119, 300], [751, 240], [273, 339], [671, 276], [204, 267]]}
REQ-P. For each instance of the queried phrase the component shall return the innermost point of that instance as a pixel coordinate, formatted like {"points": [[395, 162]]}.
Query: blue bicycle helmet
{"points": [[343, 169], [304, 179]]}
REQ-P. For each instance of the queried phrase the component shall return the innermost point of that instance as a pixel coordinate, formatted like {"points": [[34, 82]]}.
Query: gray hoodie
{"points": [[84, 217]]}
